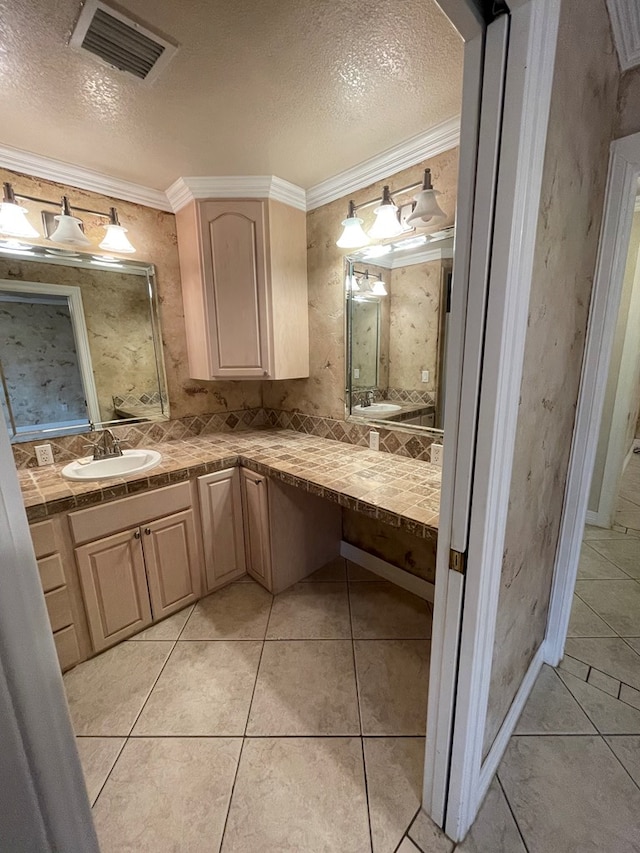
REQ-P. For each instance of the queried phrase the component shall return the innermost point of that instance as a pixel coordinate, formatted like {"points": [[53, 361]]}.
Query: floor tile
{"points": [[604, 682], [237, 612], [97, 756], [311, 611], [305, 687], [575, 667], [393, 685], [394, 768], [593, 566], [494, 830], [356, 573], [628, 517], [205, 689], [634, 642], [106, 694], [585, 623], [429, 837], [408, 846], [168, 629], [630, 695], [615, 601], [335, 571], [608, 654], [624, 553], [570, 794], [299, 794], [552, 709], [627, 750], [609, 715], [385, 611], [167, 794], [591, 532]]}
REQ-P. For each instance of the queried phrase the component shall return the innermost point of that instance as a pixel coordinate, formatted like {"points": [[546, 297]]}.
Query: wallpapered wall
{"points": [[583, 106], [154, 234], [323, 392]]}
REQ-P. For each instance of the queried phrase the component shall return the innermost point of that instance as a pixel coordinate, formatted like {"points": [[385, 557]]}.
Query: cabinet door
{"points": [[256, 527], [233, 249], [114, 586], [222, 530], [172, 559]]}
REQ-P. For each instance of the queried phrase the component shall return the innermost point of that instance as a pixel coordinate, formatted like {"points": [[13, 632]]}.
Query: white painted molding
{"points": [[442, 137], [594, 519], [422, 255], [625, 23], [418, 586], [77, 176], [494, 756], [185, 190], [624, 168]]}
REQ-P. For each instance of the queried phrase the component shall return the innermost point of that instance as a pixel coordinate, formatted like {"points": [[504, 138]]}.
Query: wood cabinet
{"points": [[257, 536], [222, 527], [134, 576], [244, 285]]}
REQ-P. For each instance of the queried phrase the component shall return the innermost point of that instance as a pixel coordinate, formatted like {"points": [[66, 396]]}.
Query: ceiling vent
{"points": [[121, 42]]}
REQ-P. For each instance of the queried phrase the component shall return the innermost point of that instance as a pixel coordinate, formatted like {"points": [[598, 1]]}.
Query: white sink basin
{"points": [[377, 409], [131, 462]]}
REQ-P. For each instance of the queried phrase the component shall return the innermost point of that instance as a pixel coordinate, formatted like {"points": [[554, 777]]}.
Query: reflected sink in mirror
{"points": [[131, 462], [377, 409]]}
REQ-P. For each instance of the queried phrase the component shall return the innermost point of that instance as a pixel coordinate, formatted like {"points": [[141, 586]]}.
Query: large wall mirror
{"points": [[80, 343], [397, 309]]}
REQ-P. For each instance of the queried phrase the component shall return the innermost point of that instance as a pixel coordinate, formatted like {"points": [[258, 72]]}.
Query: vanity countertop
{"points": [[397, 490]]}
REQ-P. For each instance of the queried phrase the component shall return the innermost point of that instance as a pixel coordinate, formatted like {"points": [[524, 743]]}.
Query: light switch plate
{"points": [[374, 440], [425, 375], [356, 373]]}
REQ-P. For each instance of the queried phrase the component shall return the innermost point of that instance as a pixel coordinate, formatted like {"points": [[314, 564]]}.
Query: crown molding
{"points": [[625, 23], [77, 176], [185, 190], [442, 137]]}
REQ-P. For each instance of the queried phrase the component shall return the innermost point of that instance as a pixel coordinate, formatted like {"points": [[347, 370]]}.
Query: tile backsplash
{"points": [[398, 441]]}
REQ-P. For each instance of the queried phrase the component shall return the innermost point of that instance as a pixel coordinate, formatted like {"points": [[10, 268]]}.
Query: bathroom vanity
{"points": [[119, 555]]}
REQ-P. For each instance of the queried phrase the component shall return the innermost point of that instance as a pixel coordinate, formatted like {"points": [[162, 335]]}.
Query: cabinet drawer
{"points": [[44, 538], [87, 525], [59, 609], [67, 647], [51, 572]]}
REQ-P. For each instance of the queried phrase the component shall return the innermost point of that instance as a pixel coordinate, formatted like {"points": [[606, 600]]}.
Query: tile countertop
{"points": [[397, 490]]}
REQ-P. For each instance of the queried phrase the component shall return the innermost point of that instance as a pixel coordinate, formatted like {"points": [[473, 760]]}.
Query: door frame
{"points": [[623, 175], [459, 684]]}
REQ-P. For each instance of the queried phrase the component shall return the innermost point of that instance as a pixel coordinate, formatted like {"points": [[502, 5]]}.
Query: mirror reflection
{"points": [[397, 310], [79, 344]]}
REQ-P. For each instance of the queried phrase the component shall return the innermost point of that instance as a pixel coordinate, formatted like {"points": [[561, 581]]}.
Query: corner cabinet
{"points": [[243, 265], [257, 527]]}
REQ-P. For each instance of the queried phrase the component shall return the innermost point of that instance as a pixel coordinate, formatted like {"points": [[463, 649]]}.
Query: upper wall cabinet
{"points": [[244, 284]]}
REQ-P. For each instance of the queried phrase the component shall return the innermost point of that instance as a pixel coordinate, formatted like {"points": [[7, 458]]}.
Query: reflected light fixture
{"points": [[351, 283], [116, 239], [387, 223], [353, 235], [68, 230], [13, 217], [427, 207], [379, 289]]}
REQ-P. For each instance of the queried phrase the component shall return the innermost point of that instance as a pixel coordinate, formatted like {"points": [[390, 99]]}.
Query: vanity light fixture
{"points": [[370, 283], [379, 289], [427, 207], [351, 283], [68, 228], [387, 224], [13, 217], [353, 235]]}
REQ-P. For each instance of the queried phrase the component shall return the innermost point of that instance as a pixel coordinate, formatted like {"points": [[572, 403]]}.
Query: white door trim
{"points": [[533, 37], [624, 170]]}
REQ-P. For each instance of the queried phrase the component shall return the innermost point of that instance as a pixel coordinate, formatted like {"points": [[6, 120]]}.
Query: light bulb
{"points": [[68, 231], [13, 221], [379, 289], [115, 240], [353, 235]]}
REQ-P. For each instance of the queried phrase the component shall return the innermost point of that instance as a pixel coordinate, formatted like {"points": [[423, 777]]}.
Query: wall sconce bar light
{"points": [[361, 281], [387, 223], [68, 228]]}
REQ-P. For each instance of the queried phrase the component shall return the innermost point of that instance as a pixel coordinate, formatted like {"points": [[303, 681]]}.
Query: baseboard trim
{"points": [[418, 586], [494, 757]]}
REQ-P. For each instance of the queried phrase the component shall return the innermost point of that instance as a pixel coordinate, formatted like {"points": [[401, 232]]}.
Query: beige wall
{"points": [[153, 233], [323, 392], [581, 124], [628, 119]]}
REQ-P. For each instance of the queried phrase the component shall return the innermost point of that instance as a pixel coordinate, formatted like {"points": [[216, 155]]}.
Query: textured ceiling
{"points": [[297, 88]]}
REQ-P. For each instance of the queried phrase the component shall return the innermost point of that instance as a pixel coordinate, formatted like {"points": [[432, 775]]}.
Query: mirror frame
{"points": [[61, 257]]}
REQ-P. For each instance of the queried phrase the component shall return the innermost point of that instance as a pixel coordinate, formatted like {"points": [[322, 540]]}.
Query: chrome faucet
{"points": [[367, 399], [108, 447]]}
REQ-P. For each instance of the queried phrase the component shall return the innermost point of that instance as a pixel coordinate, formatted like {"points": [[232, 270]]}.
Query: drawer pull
{"points": [[147, 531], [136, 535]]}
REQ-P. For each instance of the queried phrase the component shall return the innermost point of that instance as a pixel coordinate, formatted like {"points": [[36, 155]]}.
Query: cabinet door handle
{"points": [[136, 535], [147, 531], [258, 482]]}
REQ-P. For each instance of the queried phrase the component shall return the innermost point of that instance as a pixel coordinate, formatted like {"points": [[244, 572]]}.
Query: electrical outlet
{"points": [[374, 440], [356, 373], [425, 376], [436, 454], [44, 454]]}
